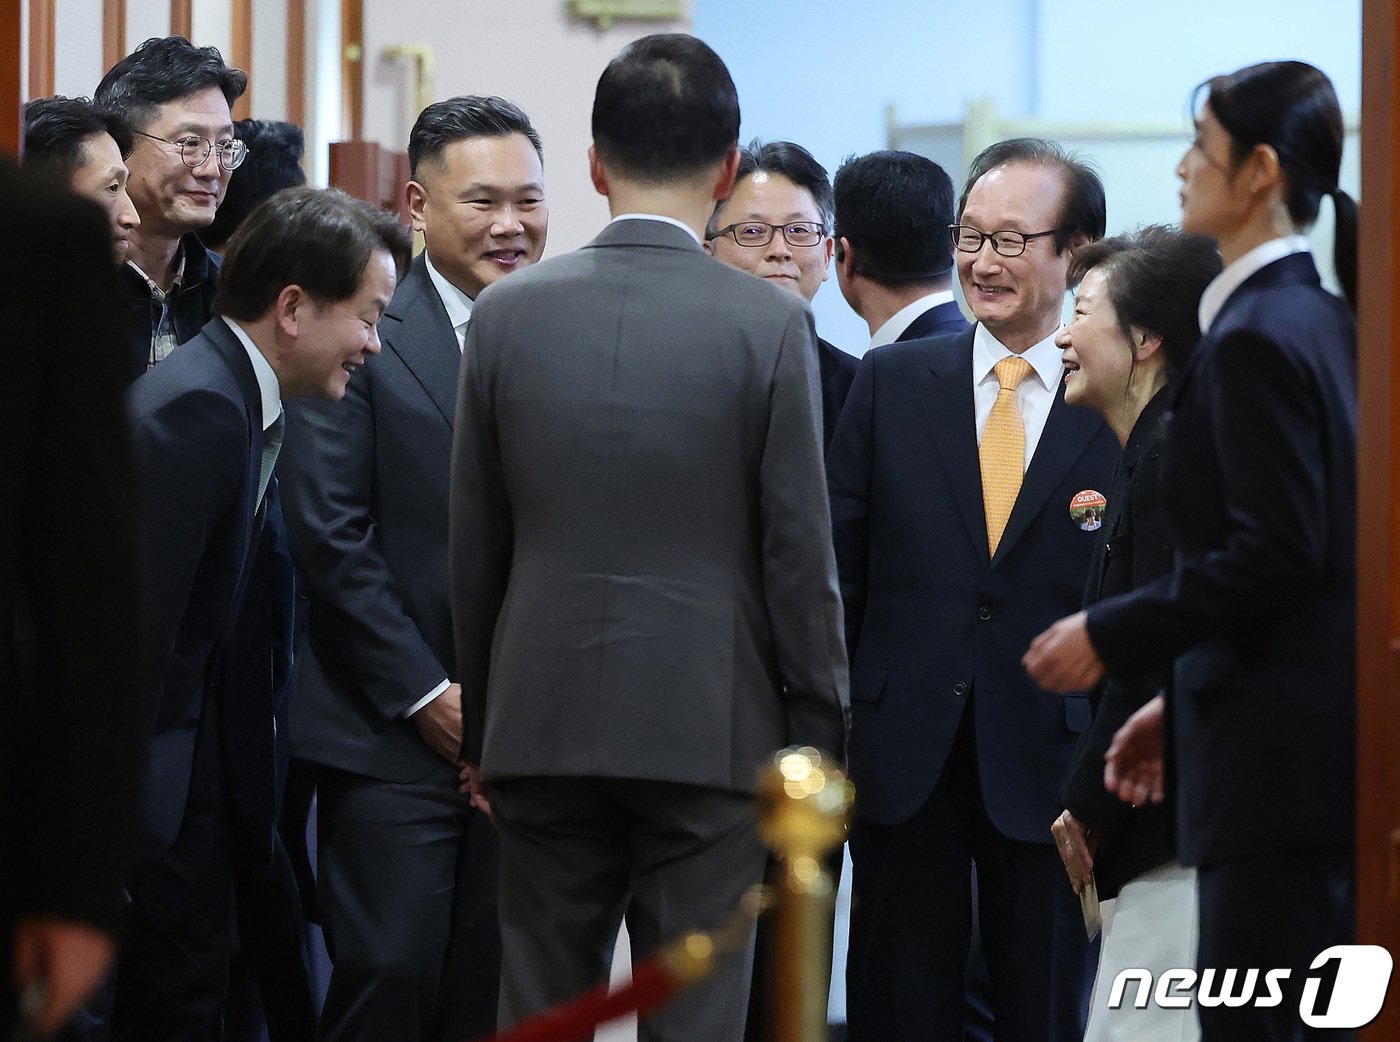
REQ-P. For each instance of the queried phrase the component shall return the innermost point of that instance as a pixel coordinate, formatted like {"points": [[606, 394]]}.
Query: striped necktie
{"points": [[1002, 452]]}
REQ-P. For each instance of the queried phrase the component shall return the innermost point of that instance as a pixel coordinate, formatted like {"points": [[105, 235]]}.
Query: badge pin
{"points": [[1087, 510]]}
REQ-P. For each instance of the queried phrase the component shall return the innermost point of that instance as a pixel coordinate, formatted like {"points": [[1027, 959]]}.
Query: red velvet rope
{"points": [[651, 986]]}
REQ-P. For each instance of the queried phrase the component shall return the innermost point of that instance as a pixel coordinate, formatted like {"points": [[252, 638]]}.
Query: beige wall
{"points": [[529, 51]]}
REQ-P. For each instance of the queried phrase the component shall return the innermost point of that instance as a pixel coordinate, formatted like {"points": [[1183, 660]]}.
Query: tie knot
{"points": [[1011, 371]]}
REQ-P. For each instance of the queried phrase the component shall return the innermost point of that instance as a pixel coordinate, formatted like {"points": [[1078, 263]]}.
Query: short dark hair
{"points": [[469, 115], [1082, 210], [894, 209], [1292, 107], [163, 69], [317, 238], [272, 164], [788, 160], [56, 129], [665, 107], [1156, 275]]}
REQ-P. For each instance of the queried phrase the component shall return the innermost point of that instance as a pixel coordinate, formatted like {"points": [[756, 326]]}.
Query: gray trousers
{"points": [[580, 854]]}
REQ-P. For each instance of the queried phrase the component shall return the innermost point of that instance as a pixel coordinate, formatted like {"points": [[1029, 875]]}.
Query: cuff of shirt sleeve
{"points": [[427, 698]]}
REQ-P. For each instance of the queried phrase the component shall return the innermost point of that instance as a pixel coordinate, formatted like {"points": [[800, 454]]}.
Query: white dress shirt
{"points": [[657, 217], [1238, 271], [894, 326], [268, 387], [1036, 393], [457, 303]]}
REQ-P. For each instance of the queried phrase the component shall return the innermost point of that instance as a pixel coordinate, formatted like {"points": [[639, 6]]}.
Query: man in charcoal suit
{"points": [[407, 867]]}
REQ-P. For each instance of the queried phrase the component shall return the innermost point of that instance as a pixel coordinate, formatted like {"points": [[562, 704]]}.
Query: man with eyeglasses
{"points": [[776, 224], [177, 98], [893, 260], [952, 472]]}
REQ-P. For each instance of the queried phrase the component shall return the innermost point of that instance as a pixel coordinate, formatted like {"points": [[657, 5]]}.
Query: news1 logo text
{"points": [[1345, 987]]}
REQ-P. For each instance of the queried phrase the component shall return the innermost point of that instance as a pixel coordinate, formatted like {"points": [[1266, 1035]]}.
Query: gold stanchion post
{"points": [[804, 801]]}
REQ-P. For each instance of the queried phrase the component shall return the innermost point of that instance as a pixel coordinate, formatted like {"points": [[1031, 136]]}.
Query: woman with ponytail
{"points": [[1258, 617]]}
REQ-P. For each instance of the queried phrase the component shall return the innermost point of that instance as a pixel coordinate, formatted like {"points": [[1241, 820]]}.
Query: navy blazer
{"points": [[365, 482], [940, 320], [838, 371], [928, 616], [198, 441], [1259, 482]]}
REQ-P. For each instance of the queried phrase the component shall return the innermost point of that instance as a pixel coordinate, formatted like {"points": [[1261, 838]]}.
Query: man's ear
{"points": [[596, 173], [827, 249], [845, 257], [416, 196], [289, 309], [728, 173]]}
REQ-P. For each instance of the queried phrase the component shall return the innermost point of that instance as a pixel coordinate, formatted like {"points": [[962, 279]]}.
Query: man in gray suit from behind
{"points": [[642, 578]]}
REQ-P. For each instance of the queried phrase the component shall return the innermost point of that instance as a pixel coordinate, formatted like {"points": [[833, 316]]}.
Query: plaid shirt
{"points": [[162, 329]]}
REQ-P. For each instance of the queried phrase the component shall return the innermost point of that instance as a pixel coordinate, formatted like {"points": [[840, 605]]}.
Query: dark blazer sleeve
{"points": [[327, 469], [76, 735], [848, 473], [191, 449], [1266, 414], [480, 538], [803, 605]]}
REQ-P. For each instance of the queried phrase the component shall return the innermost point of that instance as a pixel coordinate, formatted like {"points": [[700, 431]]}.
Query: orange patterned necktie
{"points": [[1003, 450]]}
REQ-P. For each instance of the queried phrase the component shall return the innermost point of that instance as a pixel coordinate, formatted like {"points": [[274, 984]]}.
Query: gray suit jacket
{"points": [[365, 487], [643, 583]]}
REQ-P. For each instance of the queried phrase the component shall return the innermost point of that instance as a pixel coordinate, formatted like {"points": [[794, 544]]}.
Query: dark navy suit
{"points": [[838, 370], [954, 752], [1259, 486], [938, 320]]}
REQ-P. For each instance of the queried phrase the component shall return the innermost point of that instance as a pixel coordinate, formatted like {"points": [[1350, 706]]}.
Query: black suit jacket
{"points": [[940, 320], [928, 615], [198, 440], [365, 483], [72, 706], [1259, 483], [838, 370], [1133, 550], [191, 304]]}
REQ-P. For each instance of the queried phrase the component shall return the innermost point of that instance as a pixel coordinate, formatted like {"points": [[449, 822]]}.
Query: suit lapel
{"points": [[1068, 431], [946, 392], [424, 339]]}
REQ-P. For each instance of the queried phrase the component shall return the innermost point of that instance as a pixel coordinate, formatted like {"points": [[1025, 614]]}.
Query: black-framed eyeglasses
{"points": [[757, 233], [194, 150], [1006, 242]]}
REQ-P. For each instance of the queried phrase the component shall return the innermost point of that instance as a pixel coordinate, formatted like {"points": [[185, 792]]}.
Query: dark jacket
{"points": [[191, 303], [1259, 487], [838, 370], [1133, 549]]}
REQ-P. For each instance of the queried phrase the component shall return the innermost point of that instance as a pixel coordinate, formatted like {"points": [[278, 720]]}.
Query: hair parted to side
{"points": [[1155, 276], [466, 116], [273, 163], [1292, 107], [665, 108], [787, 160], [55, 130], [163, 69], [894, 209], [317, 238], [1082, 209]]}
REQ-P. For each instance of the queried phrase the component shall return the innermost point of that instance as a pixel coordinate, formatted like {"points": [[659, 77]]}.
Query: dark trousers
{"points": [[1273, 912], [911, 918], [579, 854], [407, 884]]}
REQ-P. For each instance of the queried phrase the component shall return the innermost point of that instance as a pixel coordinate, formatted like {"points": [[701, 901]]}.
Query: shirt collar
{"points": [[268, 387], [1238, 272], [1044, 357], [657, 217], [156, 291], [902, 319], [457, 303]]}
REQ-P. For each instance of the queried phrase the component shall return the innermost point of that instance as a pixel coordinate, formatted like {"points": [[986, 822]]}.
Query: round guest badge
{"points": [[1087, 510]]}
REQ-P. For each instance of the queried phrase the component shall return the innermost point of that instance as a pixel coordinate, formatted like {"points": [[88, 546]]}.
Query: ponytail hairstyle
{"points": [[1292, 107]]}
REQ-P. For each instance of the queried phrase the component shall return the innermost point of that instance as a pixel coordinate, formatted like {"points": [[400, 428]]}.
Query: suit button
{"points": [[960, 689], [984, 613]]}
